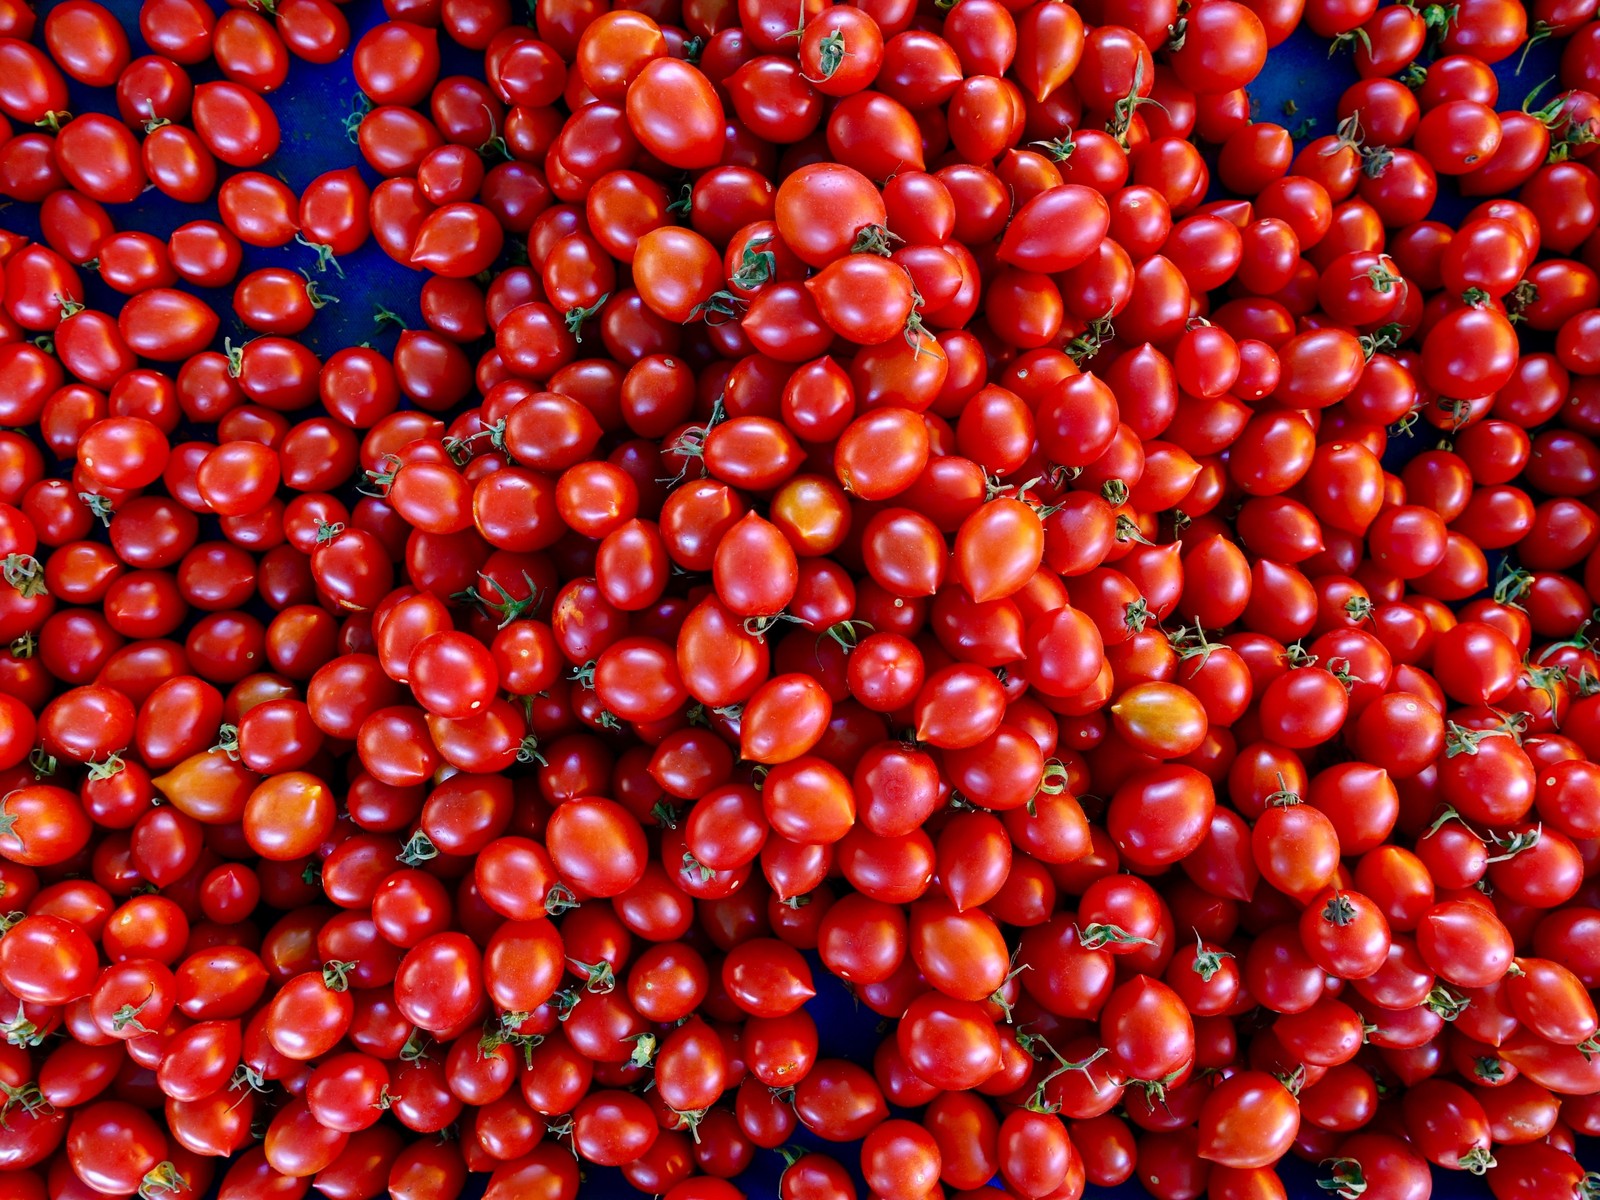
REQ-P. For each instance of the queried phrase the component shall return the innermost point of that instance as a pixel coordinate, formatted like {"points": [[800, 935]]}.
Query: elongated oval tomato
{"points": [[676, 114], [167, 325], [236, 124], [864, 298], [1056, 230]]}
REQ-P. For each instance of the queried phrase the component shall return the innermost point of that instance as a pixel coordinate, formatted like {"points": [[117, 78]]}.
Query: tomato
{"points": [[44, 825], [1161, 815], [396, 62], [250, 52], [1439, 938], [439, 982], [1064, 652], [313, 30], [755, 570], [49, 962], [1448, 1125], [678, 273], [841, 288], [1304, 707], [822, 209], [900, 1158], [34, 90], [99, 157], [1028, 243], [457, 241], [1473, 352], [948, 1043], [676, 114], [112, 1145], [1249, 1120], [1346, 933], [258, 209], [236, 124], [1549, 999], [88, 43], [597, 846], [1160, 719], [167, 325]]}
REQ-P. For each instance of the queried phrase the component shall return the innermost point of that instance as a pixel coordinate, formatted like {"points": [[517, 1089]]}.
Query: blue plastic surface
{"points": [[312, 107]]}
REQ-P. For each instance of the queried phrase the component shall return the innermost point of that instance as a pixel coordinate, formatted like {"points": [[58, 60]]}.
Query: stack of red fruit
{"points": [[854, 506]]}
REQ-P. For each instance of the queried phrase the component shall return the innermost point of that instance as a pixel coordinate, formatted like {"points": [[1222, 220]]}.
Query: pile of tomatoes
{"points": [[897, 490]]}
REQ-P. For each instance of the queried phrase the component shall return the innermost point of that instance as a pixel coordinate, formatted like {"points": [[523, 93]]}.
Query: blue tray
{"points": [[312, 107]]}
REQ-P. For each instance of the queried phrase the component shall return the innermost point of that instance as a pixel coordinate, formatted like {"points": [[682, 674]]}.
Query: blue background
{"points": [[312, 107]]}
